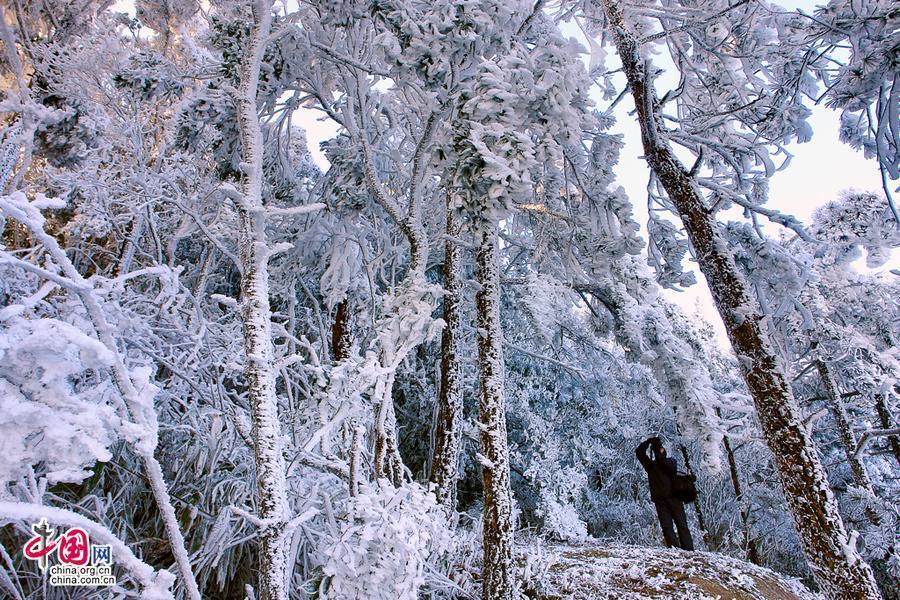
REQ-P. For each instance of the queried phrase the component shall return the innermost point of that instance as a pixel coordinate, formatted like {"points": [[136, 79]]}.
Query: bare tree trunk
{"points": [[845, 433], [838, 568], [445, 460], [749, 541], [885, 417], [340, 332], [272, 504], [497, 575]]}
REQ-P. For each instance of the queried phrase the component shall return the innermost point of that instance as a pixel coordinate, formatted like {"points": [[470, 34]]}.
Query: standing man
{"points": [[661, 474]]}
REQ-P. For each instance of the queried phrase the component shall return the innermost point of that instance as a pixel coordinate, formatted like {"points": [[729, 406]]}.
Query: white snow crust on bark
{"points": [[444, 466], [272, 504], [497, 570], [837, 566], [388, 463]]}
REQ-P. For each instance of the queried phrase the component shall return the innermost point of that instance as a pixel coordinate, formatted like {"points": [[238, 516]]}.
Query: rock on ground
{"points": [[632, 573]]}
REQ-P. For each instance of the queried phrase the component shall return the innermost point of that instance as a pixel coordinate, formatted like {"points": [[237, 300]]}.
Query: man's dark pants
{"points": [[669, 511]]}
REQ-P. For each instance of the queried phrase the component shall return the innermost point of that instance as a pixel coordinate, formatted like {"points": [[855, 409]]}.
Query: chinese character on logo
{"points": [[74, 547], [101, 555], [40, 546]]}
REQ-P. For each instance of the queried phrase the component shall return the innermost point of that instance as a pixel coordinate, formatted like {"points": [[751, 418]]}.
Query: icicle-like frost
{"points": [[155, 585], [137, 405]]}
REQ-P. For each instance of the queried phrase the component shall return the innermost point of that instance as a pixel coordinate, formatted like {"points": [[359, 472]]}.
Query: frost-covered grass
{"points": [[634, 572]]}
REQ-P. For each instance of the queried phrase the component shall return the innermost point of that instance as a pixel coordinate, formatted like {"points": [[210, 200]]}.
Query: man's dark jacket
{"points": [[660, 473]]}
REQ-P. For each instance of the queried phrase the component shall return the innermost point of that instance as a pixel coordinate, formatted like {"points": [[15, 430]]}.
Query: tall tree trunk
{"points": [[697, 510], [749, 541], [884, 416], [497, 575], [272, 504], [845, 434], [445, 460], [838, 568]]}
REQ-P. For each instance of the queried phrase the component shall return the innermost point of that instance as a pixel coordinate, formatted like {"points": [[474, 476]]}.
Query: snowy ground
{"points": [[633, 572]]}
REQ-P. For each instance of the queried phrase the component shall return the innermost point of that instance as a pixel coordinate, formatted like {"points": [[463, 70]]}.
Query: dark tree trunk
{"points": [[839, 570], [497, 571], [884, 416], [445, 459], [340, 332]]}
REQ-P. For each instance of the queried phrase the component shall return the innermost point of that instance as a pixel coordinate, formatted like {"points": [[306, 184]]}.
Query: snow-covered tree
{"points": [[400, 368], [838, 568]]}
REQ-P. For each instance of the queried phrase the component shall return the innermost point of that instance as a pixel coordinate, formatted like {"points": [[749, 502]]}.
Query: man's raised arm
{"points": [[641, 453]]}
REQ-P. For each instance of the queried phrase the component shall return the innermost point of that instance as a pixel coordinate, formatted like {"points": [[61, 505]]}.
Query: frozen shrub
{"points": [[387, 539]]}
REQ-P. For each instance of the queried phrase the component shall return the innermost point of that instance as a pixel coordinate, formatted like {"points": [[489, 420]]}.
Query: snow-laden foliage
{"points": [[860, 78], [387, 540], [51, 422]]}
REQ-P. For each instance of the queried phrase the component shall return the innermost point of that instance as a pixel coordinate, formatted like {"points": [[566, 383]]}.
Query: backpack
{"points": [[684, 487]]}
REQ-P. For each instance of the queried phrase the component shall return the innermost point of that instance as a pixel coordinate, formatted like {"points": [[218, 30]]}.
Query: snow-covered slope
{"points": [[632, 572]]}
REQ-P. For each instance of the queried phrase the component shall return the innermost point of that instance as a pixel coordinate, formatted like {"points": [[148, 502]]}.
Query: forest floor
{"points": [[630, 573]]}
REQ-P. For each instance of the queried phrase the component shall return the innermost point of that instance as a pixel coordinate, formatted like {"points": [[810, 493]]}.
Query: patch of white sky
{"points": [[818, 172]]}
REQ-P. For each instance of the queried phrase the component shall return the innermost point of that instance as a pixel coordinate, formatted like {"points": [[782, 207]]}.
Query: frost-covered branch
{"points": [[870, 434], [139, 407]]}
